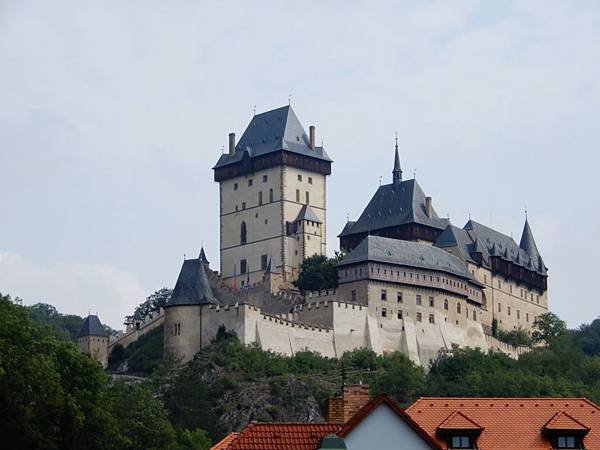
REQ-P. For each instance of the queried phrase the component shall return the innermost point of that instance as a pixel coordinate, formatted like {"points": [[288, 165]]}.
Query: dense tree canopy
{"points": [[318, 272], [52, 396]]}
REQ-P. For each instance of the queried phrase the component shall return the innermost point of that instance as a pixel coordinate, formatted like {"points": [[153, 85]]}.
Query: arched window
{"points": [[458, 307], [446, 304], [243, 233]]}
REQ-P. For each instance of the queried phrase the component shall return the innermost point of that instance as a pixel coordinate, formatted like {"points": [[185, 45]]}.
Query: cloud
{"points": [[72, 288]]}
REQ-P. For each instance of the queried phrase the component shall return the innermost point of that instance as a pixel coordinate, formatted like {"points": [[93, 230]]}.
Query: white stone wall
{"points": [[181, 333]]}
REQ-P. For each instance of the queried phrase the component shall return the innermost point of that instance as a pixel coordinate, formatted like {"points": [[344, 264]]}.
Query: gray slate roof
{"points": [[456, 237], [271, 131], [406, 253], [192, 287], [393, 205], [307, 213], [92, 327], [493, 243]]}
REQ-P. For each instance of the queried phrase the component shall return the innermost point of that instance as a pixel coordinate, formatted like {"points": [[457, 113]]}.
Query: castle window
{"points": [[309, 180], [446, 304], [383, 312], [510, 288], [236, 207], [299, 177], [399, 314], [307, 197], [499, 284], [260, 198], [431, 318], [518, 314], [353, 295], [458, 308], [527, 317], [485, 278], [431, 302], [243, 232], [270, 195], [297, 195], [235, 186], [508, 311], [474, 314], [263, 262], [243, 205], [532, 297], [418, 300], [399, 297], [250, 182], [243, 266], [384, 295], [264, 178], [499, 307], [419, 317], [537, 298]]}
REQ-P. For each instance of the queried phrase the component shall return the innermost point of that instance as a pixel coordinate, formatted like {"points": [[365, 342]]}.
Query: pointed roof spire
{"points": [[397, 172], [528, 242], [202, 256]]}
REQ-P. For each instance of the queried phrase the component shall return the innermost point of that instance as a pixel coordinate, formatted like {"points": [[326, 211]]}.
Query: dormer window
{"points": [[567, 442], [460, 442]]}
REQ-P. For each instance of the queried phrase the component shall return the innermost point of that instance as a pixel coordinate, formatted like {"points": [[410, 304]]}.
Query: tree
{"points": [[587, 337], [142, 419], [317, 273], [547, 327], [514, 337], [158, 299]]}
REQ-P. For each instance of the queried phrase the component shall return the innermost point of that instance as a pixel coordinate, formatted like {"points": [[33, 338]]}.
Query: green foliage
{"points": [[587, 338], [155, 301], [514, 337], [53, 397], [66, 326], [547, 327], [317, 273], [143, 356], [193, 440]]}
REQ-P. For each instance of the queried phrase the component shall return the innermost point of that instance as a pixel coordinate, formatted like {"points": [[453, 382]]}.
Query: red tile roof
{"points": [[372, 405], [509, 423], [458, 421], [280, 436], [224, 443], [563, 421]]}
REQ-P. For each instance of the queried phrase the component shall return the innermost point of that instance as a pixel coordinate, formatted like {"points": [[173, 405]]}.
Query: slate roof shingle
{"points": [[192, 287], [406, 253], [271, 131], [92, 327], [394, 205]]}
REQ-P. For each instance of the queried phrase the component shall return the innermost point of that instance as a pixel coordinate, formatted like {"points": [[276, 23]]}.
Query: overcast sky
{"points": [[113, 113]]}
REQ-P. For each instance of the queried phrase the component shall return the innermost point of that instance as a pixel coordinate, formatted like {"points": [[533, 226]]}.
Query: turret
{"points": [[93, 339]]}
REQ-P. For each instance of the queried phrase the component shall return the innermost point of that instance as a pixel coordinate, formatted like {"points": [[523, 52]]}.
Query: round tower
{"points": [[183, 313]]}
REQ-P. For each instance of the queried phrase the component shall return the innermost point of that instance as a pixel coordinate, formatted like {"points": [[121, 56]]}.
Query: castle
{"points": [[410, 281]]}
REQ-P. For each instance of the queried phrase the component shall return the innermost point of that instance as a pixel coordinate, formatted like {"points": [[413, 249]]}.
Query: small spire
{"points": [[397, 172], [290, 99], [254, 111]]}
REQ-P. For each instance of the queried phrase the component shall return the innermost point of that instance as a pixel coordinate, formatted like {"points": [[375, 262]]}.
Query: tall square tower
{"points": [[272, 198]]}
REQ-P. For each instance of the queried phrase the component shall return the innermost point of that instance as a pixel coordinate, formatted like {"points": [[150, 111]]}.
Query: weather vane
{"points": [[289, 99], [525, 208], [380, 180], [254, 110]]}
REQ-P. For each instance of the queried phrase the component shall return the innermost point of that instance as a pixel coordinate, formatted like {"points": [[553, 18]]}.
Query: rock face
{"points": [[256, 402], [228, 385]]}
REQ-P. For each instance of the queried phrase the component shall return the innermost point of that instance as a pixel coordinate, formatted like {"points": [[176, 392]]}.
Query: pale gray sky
{"points": [[112, 114]]}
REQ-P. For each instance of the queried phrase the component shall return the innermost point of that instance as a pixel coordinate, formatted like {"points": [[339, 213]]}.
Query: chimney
{"points": [[354, 397], [231, 143], [428, 207], [311, 132]]}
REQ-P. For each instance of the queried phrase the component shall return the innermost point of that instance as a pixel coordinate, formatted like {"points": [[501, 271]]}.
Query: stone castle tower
{"points": [[272, 199], [93, 339]]}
